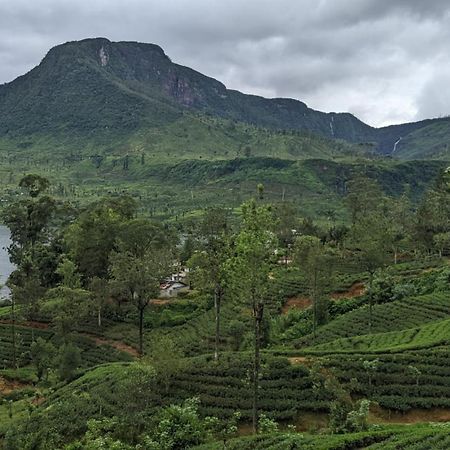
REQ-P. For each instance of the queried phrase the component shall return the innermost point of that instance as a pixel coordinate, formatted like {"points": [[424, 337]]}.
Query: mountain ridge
{"points": [[93, 86]]}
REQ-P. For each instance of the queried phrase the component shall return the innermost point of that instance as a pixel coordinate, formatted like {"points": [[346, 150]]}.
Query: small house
{"points": [[171, 288]]}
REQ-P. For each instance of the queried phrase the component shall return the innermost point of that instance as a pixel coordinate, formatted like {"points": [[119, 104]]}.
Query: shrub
{"points": [[267, 425]]}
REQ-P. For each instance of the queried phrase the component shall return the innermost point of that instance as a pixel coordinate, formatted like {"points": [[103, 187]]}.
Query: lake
{"points": [[5, 266]]}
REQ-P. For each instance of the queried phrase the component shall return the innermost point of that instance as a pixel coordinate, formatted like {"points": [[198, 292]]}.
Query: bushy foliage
{"points": [[69, 360]]}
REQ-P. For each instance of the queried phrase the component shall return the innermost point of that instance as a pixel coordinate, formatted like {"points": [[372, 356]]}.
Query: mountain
{"points": [[100, 92]]}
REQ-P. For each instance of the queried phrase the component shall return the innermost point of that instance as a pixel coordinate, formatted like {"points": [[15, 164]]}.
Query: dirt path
{"points": [[119, 345], [380, 415], [356, 290]]}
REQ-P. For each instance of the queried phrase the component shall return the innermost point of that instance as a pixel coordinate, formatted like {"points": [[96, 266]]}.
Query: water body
{"points": [[5, 266]]}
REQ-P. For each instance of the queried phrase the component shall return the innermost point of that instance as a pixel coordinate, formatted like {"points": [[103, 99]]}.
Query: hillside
{"points": [[115, 96], [166, 188], [196, 268], [407, 385]]}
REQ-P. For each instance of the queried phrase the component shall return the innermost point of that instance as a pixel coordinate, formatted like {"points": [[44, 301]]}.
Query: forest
{"points": [[289, 330]]}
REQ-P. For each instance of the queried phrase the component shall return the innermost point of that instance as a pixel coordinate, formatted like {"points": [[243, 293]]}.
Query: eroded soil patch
{"points": [[302, 303], [8, 386]]}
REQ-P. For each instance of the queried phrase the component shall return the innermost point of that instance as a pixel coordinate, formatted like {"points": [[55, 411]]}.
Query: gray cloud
{"points": [[383, 60]]}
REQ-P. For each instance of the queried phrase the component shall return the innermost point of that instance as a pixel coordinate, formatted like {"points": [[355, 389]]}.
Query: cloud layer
{"points": [[383, 60]]}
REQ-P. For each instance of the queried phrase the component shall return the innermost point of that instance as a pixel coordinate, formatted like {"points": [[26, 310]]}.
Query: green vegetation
{"points": [[412, 379], [188, 273], [434, 436], [399, 315], [430, 335]]}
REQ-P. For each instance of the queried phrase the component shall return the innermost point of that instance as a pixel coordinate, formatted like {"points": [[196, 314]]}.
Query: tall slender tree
{"points": [[143, 258], [371, 241], [255, 246], [29, 223], [209, 264], [315, 261]]}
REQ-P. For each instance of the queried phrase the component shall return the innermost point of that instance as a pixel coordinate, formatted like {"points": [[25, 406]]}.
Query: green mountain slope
{"points": [[100, 93], [432, 141]]}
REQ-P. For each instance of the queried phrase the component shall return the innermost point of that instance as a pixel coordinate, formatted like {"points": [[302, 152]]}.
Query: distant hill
{"points": [[113, 95]]}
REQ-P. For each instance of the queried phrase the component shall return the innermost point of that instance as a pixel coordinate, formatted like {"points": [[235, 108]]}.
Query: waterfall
{"points": [[331, 126], [395, 144]]}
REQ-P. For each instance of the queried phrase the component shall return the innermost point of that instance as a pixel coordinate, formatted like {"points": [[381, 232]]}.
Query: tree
{"points": [[187, 250], [42, 355], [93, 236], [68, 273], [315, 261], [67, 303], [287, 224], [69, 361], [307, 227], [67, 307], [362, 196], [236, 330], [442, 242], [27, 292], [254, 250], [99, 288], [28, 219], [142, 259], [29, 222], [136, 393], [371, 241], [370, 235], [209, 265], [433, 214], [167, 360], [399, 219], [336, 235], [34, 184]]}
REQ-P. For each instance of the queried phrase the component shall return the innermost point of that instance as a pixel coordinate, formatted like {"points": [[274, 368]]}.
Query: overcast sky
{"points": [[386, 61]]}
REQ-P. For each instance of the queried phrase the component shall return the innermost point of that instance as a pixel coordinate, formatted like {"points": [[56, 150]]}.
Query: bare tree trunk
{"points": [[141, 331], [370, 300], [314, 299], [217, 305], [99, 317], [258, 312], [13, 331]]}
